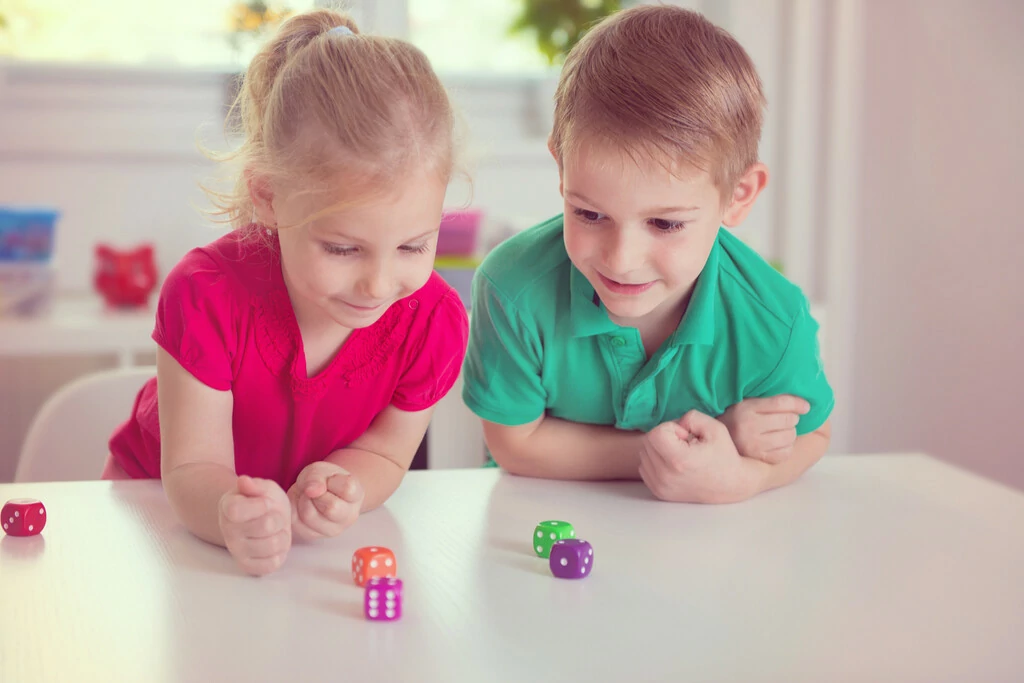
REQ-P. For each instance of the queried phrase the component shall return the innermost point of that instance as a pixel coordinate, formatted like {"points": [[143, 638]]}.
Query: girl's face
{"points": [[349, 266]]}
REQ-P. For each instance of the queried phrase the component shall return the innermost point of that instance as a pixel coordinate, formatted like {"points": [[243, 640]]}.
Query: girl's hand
{"points": [[255, 519], [325, 499], [694, 460], [765, 428]]}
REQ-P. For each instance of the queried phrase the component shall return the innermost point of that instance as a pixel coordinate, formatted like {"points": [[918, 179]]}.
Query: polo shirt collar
{"points": [[698, 324], [587, 315]]}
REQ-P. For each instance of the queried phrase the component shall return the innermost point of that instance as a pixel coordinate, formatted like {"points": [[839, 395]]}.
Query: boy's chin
{"points": [[623, 312]]}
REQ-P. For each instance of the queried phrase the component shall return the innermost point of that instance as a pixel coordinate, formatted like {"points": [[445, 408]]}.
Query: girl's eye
{"points": [[338, 250], [588, 216], [415, 249], [665, 225]]}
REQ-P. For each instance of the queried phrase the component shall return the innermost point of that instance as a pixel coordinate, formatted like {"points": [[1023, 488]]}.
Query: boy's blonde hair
{"points": [[665, 83], [319, 102]]}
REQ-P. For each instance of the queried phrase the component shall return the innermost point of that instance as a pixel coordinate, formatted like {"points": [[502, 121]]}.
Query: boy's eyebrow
{"points": [[343, 236], [577, 195], [671, 209], [657, 210]]}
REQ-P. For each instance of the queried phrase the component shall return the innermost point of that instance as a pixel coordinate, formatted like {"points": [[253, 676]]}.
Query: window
{"points": [[459, 36], [483, 43], [189, 33]]}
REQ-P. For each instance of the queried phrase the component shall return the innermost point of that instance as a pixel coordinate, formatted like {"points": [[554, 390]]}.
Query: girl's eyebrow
{"points": [[356, 240]]}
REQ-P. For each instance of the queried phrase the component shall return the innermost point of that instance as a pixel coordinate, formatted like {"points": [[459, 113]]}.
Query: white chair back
{"points": [[67, 440]]}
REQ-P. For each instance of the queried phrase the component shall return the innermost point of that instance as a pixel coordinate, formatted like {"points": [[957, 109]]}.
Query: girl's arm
{"points": [[250, 517], [197, 461], [381, 456]]}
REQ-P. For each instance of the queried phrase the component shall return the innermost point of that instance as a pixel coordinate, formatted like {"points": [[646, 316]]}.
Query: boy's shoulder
{"points": [[746, 280], [529, 264]]}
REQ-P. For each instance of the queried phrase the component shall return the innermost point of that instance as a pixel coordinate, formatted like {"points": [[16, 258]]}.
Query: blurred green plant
{"points": [[251, 19], [560, 24]]}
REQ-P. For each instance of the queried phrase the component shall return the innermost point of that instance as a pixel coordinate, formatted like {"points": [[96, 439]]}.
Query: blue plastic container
{"points": [[27, 234]]}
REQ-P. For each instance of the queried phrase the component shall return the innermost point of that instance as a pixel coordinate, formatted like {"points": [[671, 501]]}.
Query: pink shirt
{"points": [[225, 315]]}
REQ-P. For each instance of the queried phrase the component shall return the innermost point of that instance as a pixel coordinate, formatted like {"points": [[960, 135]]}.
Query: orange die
{"points": [[373, 563]]}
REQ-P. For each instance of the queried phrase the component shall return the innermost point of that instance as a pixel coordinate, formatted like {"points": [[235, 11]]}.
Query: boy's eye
{"points": [[338, 249], [588, 216], [665, 225]]}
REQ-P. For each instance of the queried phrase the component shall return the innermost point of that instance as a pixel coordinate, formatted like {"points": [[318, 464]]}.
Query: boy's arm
{"points": [[785, 418], [807, 450], [551, 448]]}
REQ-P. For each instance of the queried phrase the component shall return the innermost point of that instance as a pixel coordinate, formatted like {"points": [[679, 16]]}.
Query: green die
{"points": [[546, 533]]}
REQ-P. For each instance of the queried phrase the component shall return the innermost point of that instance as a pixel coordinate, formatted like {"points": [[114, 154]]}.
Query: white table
{"points": [[872, 568]]}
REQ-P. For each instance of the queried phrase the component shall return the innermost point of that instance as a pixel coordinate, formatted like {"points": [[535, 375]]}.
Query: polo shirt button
{"points": [[618, 341]]}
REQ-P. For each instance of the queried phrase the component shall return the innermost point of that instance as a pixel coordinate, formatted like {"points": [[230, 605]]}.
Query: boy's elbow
{"points": [[823, 437], [510, 446], [506, 456]]}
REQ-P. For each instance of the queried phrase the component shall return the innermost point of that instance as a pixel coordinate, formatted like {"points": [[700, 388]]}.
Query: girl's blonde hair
{"points": [[320, 102]]}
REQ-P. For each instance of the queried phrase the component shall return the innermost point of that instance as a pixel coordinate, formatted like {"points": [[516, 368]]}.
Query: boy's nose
{"points": [[622, 255]]}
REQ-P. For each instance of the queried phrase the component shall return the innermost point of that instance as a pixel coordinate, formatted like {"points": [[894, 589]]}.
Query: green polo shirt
{"points": [[541, 342]]}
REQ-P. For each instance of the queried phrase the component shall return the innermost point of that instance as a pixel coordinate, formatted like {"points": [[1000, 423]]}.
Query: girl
{"points": [[300, 356]]}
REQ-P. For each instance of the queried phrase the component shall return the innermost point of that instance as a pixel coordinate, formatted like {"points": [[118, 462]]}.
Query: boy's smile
{"points": [[626, 288]]}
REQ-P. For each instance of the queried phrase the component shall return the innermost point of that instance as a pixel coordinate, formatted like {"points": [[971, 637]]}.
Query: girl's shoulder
{"points": [[206, 303], [221, 279], [436, 305], [429, 323], [437, 292], [242, 259], [434, 344], [438, 317]]}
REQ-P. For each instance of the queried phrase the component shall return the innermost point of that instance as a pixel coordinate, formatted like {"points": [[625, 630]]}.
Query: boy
{"points": [[633, 337]]}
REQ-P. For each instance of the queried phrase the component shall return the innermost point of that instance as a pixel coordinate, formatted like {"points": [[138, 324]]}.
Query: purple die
{"points": [[383, 600], [571, 558]]}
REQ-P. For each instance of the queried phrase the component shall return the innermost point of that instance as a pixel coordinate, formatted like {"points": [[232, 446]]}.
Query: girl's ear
{"points": [[262, 195]]}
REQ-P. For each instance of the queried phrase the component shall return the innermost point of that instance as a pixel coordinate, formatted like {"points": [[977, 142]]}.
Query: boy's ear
{"points": [[551, 149], [262, 196], [750, 184]]}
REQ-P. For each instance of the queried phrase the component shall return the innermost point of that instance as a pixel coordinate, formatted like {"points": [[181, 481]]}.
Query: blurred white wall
{"points": [[939, 356]]}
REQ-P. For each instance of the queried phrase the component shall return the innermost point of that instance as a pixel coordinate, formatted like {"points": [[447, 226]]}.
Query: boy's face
{"points": [[642, 235]]}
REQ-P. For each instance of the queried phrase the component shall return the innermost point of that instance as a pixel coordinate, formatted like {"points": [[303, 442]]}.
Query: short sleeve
{"points": [[435, 367], [502, 374], [800, 372], [197, 321]]}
